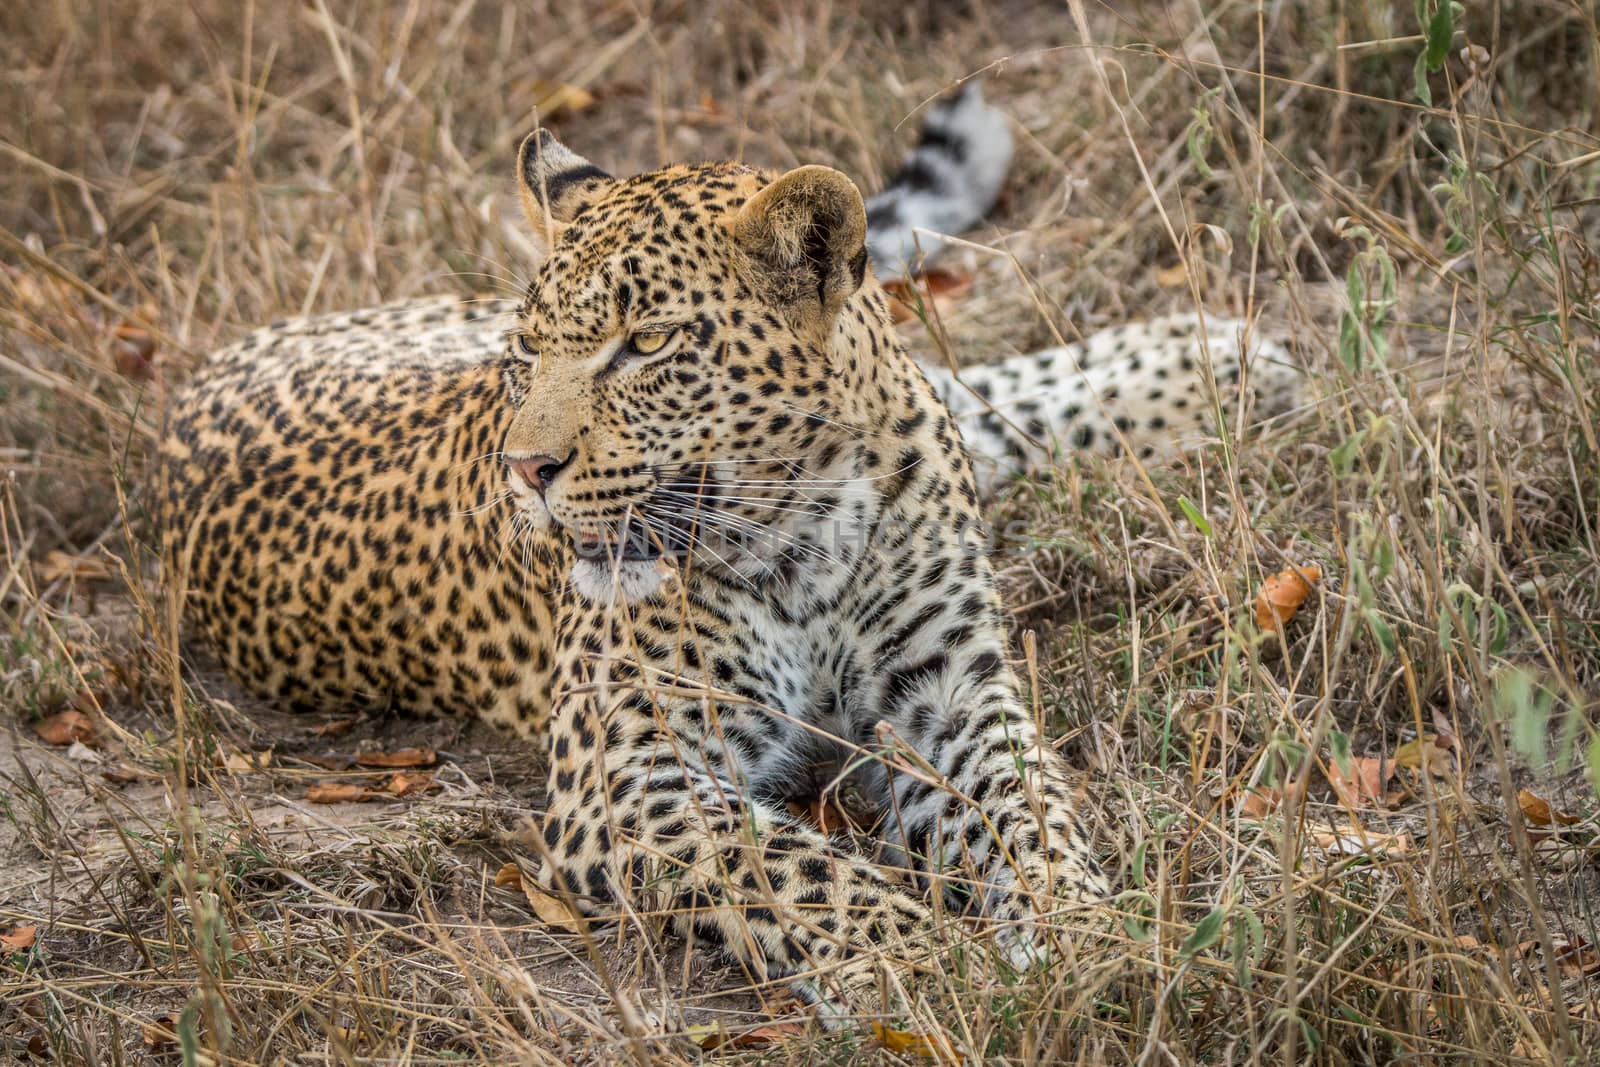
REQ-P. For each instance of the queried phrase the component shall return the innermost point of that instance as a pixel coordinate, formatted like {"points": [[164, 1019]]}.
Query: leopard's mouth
{"points": [[633, 543]]}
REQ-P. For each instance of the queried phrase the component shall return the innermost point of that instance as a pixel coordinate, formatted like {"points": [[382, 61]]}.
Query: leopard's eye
{"points": [[647, 344], [525, 347]]}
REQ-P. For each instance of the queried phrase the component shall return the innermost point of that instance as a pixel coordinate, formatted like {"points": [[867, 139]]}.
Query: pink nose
{"points": [[537, 470]]}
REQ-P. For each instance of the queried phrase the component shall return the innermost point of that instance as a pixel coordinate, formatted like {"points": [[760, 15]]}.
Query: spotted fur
{"points": [[690, 517], [945, 185]]}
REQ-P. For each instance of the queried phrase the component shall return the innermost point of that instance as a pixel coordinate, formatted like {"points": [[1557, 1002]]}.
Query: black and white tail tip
{"points": [[946, 185]]}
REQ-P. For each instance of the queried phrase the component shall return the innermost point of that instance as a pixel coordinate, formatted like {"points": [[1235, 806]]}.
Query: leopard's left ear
{"points": [[554, 183], [804, 241]]}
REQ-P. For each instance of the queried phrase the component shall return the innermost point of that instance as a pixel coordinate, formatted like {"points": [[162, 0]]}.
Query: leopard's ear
{"points": [[804, 241], [554, 183]]}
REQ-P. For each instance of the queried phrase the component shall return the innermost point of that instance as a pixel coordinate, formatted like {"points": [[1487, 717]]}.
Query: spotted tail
{"points": [[946, 185], [1140, 387]]}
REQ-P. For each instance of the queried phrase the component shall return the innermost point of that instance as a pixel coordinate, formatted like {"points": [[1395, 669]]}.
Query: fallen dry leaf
{"points": [[937, 292], [1353, 840], [133, 352], [1538, 811], [19, 938], [405, 757], [1282, 594], [902, 1041], [247, 762], [1366, 784], [121, 774], [392, 787], [161, 1032], [1428, 754], [65, 728], [711, 1036], [336, 728], [337, 792], [552, 910], [1258, 803], [1577, 959], [406, 785], [57, 565]]}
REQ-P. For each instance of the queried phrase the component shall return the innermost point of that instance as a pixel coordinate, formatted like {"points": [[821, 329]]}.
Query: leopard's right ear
{"points": [[554, 184]]}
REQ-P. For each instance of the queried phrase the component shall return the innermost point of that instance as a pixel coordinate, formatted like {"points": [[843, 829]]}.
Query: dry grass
{"points": [[186, 171]]}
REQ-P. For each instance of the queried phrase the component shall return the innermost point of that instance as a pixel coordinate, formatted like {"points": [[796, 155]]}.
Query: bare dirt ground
{"points": [[1369, 839]]}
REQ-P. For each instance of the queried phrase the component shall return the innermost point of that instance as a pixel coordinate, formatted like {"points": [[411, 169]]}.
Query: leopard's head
{"points": [[697, 357]]}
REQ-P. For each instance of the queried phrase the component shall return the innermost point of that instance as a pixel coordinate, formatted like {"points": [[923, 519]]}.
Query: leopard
{"points": [[689, 518]]}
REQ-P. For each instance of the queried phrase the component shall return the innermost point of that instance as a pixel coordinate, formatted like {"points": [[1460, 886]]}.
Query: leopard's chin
{"points": [[606, 581]]}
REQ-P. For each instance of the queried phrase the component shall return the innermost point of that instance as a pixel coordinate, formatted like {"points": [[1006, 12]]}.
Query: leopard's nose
{"points": [[538, 469]]}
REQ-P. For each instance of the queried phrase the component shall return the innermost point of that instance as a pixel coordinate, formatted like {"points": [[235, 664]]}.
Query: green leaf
{"points": [[1249, 936], [1200, 140], [1340, 743], [1382, 558], [1502, 629], [1530, 723], [1192, 513], [1441, 28], [1528, 706], [1343, 455], [1207, 932], [1354, 287], [1382, 633], [1350, 340], [1420, 75]]}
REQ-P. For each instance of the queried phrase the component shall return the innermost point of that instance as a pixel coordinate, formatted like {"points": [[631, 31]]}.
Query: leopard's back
{"points": [[331, 502]]}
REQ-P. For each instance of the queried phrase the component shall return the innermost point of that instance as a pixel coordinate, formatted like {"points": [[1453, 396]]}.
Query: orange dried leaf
{"points": [[19, 938], [1428, 754], [65, 728], [405, 785], [711, 1037], [405, 757], [247, 762], [509, 876], [336, 728], [160, 1032], [1258, 803], [133, 353], [337, 792], [553, 911], [1352, 840], [1577, 959], [935, 1047], [1366, 784], [1537, 810], [937, 292], [1282, 594]]}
